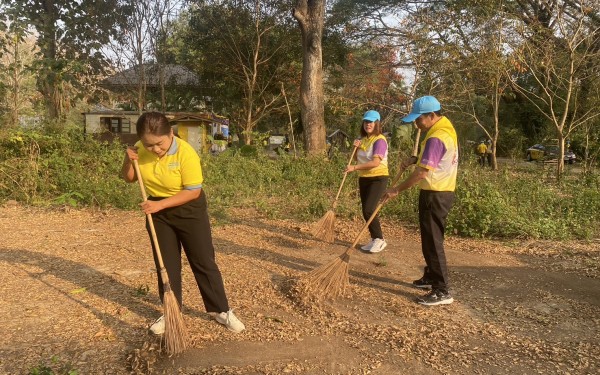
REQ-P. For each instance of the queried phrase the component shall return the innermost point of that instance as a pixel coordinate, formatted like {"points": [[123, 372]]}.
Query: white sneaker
{"points": [[229, 320], [158, 327], [378, 245], [369, 245]]}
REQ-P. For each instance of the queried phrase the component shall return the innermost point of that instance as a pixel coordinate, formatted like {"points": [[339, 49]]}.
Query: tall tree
{"points": [[365, 80], [242, 50], [310, 15], [556, 51], [470, 69], [70, 34], [161, 26], [131, 48], [17, 82]]}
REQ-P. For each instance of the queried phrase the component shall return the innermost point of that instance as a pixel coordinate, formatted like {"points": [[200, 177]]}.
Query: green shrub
{"points": [[248, 150], [39, 167], [66, 168], [56, 367]]}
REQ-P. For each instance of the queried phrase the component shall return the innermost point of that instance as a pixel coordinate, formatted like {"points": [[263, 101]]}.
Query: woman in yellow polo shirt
{"points": [[172, 175], [372, 167]]}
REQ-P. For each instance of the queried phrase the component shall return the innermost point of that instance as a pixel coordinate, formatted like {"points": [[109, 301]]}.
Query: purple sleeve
{"points": [[433, 153], [380, 147]]}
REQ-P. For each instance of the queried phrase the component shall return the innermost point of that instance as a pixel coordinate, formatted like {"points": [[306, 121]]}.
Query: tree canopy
{"points": [[514, 71]]}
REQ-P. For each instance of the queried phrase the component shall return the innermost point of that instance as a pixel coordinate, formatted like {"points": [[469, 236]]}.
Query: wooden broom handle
{"points": [[364, 228], [345, 175], [164, 275]]}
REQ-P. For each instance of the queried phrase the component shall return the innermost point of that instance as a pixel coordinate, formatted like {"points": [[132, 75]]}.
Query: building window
{"points": [[116, 125]]}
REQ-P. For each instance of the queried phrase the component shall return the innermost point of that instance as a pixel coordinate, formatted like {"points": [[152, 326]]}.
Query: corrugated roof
{"points": [[175, 75]]}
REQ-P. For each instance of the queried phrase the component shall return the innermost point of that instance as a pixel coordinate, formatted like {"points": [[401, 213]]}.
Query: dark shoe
{"points": [[422, 283], [436, 297]]}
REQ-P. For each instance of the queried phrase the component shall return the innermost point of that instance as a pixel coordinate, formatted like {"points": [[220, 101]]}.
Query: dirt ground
{"points": [[79, 291]]}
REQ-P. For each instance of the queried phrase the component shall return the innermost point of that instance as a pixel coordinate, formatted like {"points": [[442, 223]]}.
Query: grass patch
{"points": [[51, 168]]}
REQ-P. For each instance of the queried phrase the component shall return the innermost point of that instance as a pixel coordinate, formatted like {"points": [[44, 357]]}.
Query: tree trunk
{"points": [[310, 16], [560, 167], [17, 71], [47, 81]]}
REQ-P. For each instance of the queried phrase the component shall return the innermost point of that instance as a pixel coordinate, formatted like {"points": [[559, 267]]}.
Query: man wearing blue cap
{"points": [[436, 176]]}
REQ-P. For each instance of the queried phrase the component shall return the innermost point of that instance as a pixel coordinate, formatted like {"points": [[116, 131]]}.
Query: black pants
{"points": [[371, 190], [188, 225], [433, 211], [482, 158]]}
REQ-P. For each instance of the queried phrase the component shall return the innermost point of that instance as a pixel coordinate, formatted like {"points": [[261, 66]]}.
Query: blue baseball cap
{"points": [[371, 116], [424, 104]]}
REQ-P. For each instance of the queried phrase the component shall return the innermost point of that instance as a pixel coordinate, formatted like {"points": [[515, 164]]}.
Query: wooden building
{"points": [[197, 128]]}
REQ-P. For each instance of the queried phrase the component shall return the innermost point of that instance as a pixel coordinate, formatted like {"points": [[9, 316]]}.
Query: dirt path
{"points": [[79, 292]]}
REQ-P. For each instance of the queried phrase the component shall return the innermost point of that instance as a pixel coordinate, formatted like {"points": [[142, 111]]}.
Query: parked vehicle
{"points": [[540, 152]]}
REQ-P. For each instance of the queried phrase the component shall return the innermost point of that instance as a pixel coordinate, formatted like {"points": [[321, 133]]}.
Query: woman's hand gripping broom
{"points": [[175, 331]]}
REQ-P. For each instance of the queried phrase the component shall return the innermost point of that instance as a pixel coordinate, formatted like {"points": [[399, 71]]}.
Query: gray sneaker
{"points": [[436, 297], [229, 320], [368, 246], [158, 327]]}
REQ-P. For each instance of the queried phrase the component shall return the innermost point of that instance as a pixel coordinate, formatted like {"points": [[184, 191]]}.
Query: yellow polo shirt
{"points": [[179, 169]]}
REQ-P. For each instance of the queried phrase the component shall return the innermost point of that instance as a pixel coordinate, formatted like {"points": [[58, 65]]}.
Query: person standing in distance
{"points": [[373, 174], [435, 173], [172, 175]]}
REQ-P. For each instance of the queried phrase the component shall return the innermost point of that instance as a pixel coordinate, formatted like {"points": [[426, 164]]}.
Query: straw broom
{"points": [[331, 280], [175, 331], [324, 228]]}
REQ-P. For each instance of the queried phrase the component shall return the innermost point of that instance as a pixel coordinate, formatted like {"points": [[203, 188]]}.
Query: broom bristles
{"points": [[175, 331], [326, 282], [324, 228]]}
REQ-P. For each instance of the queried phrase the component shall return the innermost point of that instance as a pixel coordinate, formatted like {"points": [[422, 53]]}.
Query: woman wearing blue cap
{"points": [[372, 167]]}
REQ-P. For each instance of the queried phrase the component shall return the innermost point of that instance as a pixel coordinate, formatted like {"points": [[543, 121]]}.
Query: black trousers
{"points": [[371, 190], [433, 211], [188, 226]]}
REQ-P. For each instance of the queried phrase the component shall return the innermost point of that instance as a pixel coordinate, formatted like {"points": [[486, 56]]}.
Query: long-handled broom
{"points": [[324, 228], [331, 279], [175, 331]]}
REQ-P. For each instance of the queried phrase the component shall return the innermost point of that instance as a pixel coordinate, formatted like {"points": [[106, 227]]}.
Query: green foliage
{"points": [[521, 204], [220, 42], [65, 29], [248, 150], [281, 187], [56, 367], [142, 290], [53, 167], [62, 167], [69, 199]]}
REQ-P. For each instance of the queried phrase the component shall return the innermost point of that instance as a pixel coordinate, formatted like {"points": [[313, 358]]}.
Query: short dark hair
{"points": [[376, 130], [154, 123]]}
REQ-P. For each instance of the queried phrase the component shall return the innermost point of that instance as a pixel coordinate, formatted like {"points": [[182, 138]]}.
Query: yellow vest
{"points": [[442, 178], [364, 154]]}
